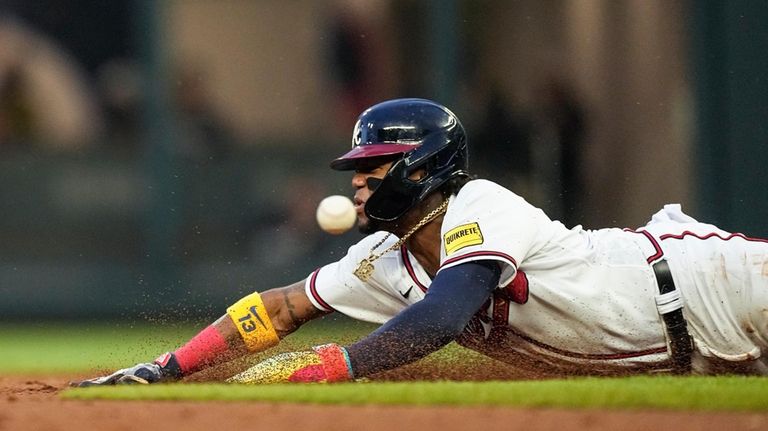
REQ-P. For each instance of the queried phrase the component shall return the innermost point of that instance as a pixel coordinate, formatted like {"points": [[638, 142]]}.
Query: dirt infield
{"points": [[32, 403]]}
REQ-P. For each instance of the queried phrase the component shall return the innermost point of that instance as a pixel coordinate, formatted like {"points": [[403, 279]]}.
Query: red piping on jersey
{"points": [[313, 290], [591, 356], [659, 253], [500, 324], [409, 268], [710, 235], [481, 253]]}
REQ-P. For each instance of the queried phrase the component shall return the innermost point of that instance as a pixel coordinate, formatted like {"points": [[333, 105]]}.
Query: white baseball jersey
{"points": [[568, 300]]}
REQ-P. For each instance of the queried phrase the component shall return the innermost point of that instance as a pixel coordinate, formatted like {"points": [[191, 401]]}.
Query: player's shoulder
{"points": [[481, 186], [480, 190], [484, 201]]}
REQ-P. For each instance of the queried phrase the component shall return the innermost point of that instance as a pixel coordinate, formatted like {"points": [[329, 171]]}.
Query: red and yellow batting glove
{"points": [[326, 363]]}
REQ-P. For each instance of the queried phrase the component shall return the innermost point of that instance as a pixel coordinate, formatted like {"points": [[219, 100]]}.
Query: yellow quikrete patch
{"points": [[462, 236], [252, 321]]}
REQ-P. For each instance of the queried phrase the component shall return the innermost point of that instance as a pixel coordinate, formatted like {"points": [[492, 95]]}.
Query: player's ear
{"points": [[418, 175]]}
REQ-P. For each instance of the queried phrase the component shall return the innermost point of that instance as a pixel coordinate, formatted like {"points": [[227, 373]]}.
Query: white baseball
{"points": [[336, 214]]}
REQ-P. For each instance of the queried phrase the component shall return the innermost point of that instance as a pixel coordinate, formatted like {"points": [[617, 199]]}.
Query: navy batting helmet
{"points": [[419, 134]]}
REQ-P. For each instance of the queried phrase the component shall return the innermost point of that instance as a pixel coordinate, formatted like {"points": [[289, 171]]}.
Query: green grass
{"points": [[55, 348], [725, 393], [90, 348]]}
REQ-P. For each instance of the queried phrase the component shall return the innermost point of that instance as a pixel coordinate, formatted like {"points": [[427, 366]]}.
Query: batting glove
{"points": [[164, 368], [326, 363]]}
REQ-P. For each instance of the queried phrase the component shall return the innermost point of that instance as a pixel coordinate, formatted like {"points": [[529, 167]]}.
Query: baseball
{"points": [[336, 214]]}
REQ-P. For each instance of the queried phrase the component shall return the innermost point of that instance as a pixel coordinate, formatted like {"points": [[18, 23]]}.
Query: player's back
{"points": [[577, 296]]}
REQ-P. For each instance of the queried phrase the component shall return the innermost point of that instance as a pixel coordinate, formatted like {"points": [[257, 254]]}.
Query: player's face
{"points": [[367, 176]]}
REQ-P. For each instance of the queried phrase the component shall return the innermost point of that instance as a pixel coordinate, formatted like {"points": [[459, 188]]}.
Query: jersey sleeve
{"points": [[488, 222], [334, 287]]}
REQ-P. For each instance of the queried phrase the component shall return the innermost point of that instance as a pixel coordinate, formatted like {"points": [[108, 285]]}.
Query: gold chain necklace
{"points": [[365, 268]]}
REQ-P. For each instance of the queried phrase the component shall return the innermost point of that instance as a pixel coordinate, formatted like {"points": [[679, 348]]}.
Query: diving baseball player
{"points": [[450, 258]]}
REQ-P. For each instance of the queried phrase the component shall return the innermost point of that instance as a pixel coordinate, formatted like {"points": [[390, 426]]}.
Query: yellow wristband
{"points": [[252, 321]]}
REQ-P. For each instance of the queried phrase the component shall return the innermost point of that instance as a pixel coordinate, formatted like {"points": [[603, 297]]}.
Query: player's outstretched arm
{"points": [[424, 327], [254, 323]]}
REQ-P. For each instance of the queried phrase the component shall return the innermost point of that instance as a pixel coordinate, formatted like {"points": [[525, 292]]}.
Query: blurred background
{"points": [[160, 159]]}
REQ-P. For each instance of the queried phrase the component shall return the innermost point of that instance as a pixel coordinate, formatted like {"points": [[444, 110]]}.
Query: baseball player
{"points": [[450, 258]]}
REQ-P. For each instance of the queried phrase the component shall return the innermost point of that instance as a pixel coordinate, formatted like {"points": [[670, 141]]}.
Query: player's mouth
{"points": [[359, 206]]}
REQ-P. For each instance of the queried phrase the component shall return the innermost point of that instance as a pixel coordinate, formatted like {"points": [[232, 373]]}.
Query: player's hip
{"points": [[723, 279]]}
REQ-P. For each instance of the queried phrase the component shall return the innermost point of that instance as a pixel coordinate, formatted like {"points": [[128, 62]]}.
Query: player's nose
{"points": [[358, 180]]}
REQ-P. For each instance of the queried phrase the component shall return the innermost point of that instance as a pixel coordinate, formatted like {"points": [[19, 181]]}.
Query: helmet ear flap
{"points": [[397, 192], [394, 196]]}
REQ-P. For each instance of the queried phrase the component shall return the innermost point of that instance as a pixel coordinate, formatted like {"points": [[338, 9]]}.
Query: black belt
{"points": [[671, 309]]}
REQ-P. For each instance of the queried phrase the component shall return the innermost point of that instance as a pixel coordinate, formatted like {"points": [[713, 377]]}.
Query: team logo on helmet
{"points": [[357, 135]]}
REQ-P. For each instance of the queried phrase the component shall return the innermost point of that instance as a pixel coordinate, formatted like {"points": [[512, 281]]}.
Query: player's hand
{"points": [[326, 363], [162, 369]]}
